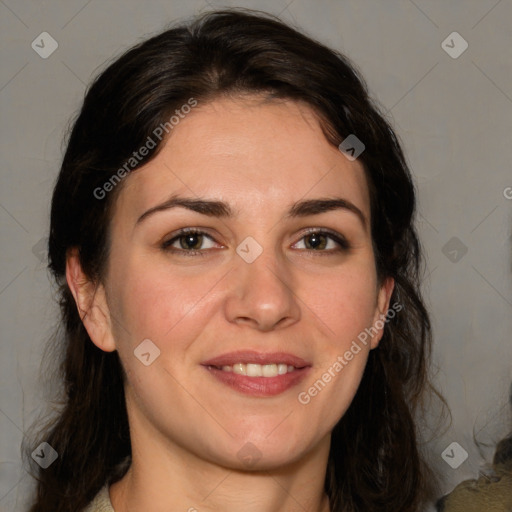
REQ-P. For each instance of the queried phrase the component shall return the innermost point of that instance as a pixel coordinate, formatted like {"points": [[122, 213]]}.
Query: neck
{"points": [[164, 476]]}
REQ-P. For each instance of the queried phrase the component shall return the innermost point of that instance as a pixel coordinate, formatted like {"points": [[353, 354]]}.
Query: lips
{"points": [[252, 373]]}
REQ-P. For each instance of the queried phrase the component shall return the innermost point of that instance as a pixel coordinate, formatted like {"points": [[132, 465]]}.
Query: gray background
{"points": [[454, 116]]}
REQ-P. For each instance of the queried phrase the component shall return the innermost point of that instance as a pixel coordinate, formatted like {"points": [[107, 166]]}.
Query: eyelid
{"points": [[176, 235], [334, 235], [337, 237]]}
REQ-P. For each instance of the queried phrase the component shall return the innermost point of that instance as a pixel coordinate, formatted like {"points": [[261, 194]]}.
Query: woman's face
{"points": [[279, 284]]}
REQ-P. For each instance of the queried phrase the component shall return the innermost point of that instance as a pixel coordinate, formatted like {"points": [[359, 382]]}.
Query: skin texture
{"points": [[187, 427]]}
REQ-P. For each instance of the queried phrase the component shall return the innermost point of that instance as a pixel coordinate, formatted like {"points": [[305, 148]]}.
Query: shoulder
{"points": [[492, 494], [101, 502]]}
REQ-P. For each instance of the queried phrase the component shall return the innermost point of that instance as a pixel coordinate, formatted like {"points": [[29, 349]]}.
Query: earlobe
{"points": [[91, 303], [383, 299]]}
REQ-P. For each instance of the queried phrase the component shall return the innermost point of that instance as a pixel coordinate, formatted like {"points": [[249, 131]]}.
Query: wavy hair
{"points": [[375, 462]]}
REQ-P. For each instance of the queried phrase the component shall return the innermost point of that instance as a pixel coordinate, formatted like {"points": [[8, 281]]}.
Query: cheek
{"points": [[161, 305], [344, 302], [171, 311]]}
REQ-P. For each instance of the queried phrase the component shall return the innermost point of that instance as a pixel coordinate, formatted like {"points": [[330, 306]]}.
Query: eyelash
{"points": [[344, 246]]}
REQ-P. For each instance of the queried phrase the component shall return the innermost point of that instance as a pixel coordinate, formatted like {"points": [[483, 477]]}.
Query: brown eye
{"points": [[189, 242], [323, 241], [315, 241]]}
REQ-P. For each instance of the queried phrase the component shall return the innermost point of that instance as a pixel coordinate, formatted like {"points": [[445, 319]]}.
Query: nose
{"points": [[261, 294]]}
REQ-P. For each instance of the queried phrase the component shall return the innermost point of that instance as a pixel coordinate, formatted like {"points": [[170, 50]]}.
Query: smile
{"points": [[258, 370], [258, 374]]}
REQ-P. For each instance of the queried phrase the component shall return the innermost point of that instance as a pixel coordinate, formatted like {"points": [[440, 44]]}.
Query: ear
{"points": [[91, 303], [381, 310]]}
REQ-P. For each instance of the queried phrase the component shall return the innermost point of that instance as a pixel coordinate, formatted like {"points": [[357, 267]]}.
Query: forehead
{"points": [[250, 153]]}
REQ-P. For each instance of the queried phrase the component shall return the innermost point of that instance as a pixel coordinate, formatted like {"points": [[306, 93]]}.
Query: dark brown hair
{"points": [[374, 462]]}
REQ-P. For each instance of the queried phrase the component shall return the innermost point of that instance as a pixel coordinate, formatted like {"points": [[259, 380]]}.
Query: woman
{"points": [[232, 235]]}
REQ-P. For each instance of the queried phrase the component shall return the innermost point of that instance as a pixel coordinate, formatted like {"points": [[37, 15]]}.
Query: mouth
{"points": [[258, 370], [258, 374]]}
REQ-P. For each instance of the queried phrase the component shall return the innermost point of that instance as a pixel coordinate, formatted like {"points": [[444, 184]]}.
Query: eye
{"points": [[190, 242], [318, 240], [194, 242]]}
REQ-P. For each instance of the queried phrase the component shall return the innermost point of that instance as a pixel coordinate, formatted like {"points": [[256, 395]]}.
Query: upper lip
{"points": [[254, 357]]}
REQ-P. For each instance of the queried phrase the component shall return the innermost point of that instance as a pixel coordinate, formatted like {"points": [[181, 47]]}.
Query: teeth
{"points": [[269, 370], [254, 370], [282, 369], [240, 369], [259, 370]]}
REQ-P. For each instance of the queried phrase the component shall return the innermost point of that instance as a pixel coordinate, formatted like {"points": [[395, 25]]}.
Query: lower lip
{"points": [[260, 386]]}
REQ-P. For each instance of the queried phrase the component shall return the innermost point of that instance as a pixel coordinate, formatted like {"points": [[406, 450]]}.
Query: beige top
{"points": [[101, 502], [492, 494]]}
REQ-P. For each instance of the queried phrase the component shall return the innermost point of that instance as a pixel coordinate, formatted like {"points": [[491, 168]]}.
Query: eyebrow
{"points": [[220, 209]]}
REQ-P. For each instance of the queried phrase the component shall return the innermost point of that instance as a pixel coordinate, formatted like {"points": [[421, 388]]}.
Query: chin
{"points": [[261, 454]]}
